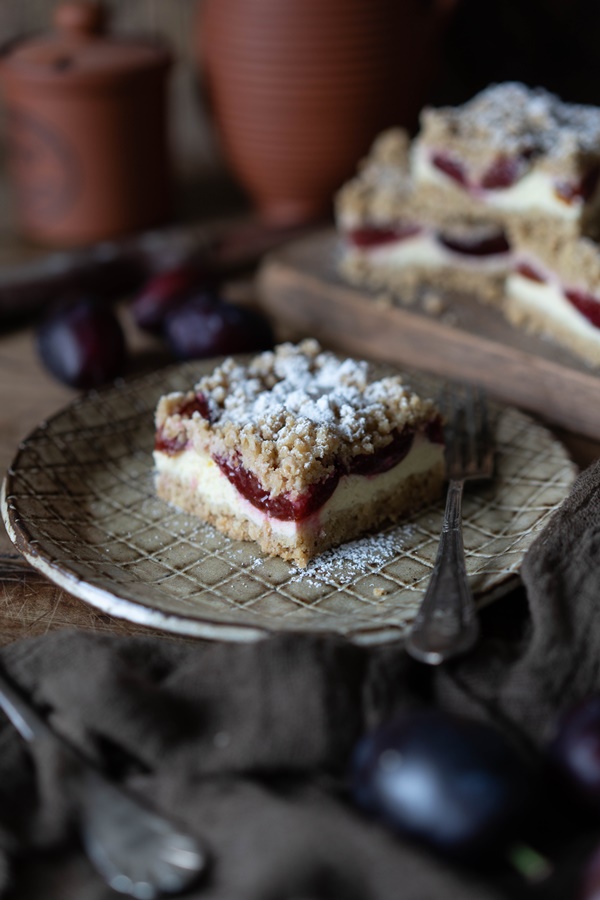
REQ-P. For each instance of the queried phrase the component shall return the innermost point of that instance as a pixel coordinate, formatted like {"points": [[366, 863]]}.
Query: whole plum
{"points": [[575, 750], [162, 293], [448, 782], [82, 343], [203, 327]]}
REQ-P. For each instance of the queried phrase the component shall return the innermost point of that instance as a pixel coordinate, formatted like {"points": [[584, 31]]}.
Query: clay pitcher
{"points": [[299, 88]]}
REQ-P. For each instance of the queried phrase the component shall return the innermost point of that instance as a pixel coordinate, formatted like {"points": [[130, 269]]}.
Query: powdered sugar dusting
{"points": [[342, 565], [293, 416], [518, 118]]}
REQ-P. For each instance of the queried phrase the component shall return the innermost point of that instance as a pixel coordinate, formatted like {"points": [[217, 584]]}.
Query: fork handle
{"points": [[446, 624]]}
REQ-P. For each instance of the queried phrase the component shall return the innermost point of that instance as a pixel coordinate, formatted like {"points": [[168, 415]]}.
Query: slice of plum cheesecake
{"points": [[298, 450], [392, 240], [512, 152], [554, 290]]}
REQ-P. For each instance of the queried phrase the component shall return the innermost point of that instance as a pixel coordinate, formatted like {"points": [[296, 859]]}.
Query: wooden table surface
{"points": [[30, 605]]}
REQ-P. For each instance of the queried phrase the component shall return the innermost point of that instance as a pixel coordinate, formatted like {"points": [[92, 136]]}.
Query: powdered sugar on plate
{"points": [[341, 565]]}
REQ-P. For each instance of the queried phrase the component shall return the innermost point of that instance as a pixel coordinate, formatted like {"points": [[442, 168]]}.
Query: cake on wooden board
{"points": [[483, 192]]}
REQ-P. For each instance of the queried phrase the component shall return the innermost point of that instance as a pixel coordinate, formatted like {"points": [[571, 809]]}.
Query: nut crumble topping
{"points": [[290, 415], [511, 118]]}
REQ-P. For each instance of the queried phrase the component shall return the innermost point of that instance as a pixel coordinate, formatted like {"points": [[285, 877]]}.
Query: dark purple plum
{"points": [[198, 330], [162, 293], [590, 882], [483, 246], [82, 343], [450, 783], [575, 750]]}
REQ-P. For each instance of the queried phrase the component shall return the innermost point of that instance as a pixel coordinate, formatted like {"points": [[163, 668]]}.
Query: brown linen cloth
{"points": [[248, 744]]}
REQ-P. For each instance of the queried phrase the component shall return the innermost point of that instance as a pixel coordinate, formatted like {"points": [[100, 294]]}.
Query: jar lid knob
{"points": [[80, 18]]}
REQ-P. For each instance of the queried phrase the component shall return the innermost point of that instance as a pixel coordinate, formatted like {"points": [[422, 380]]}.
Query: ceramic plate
{"points": [[78, 502]]}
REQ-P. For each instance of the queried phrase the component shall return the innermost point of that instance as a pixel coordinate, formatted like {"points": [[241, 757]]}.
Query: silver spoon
{"points": [[136, 850]]}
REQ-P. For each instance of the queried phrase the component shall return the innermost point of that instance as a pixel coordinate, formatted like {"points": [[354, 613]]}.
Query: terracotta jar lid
{"points": [[80, 53]]}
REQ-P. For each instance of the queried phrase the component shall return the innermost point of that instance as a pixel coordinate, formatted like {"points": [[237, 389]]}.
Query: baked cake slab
{"points": [[391, 239], [498, 198], [298, 450]]}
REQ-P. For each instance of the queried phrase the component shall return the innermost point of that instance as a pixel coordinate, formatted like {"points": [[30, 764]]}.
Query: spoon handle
{"points": [[135, 849], [23, 716]]}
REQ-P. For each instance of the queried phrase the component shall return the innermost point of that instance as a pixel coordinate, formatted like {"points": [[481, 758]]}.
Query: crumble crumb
{"points": [[433, 303]]}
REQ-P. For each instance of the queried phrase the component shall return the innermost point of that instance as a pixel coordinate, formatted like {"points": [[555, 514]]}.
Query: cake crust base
{"points": [[408, 282], [415, 492], [532, 321]]}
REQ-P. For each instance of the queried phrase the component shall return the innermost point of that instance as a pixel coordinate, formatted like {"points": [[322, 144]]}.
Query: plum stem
{"points": [[529, 863]]}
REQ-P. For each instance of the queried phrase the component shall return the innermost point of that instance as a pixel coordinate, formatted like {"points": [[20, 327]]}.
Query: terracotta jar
{"points": [[85, 118], [299, 88]]}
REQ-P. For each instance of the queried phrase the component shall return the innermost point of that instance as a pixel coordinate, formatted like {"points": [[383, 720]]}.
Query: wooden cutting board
{"points": [[301, 288]]}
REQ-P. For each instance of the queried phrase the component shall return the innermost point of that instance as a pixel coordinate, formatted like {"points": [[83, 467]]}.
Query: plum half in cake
{"points": [[298, 450]]}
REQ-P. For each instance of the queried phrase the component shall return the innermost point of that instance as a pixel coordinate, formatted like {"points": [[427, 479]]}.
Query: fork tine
{"points": [[485, 434], [449, 405], [472, 424], [469, 440], [482, 433]]}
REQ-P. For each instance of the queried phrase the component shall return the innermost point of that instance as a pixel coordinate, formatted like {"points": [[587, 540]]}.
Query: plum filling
{"points": [[295, 509], [434, 431], [488, 246], [586, 304], [371, 238], [377, 236], [173, 446], [283, 506], [170, 446], [530, 272], [451, 167], [501, 174], [384, 459], [197, 404], [506, 170]]}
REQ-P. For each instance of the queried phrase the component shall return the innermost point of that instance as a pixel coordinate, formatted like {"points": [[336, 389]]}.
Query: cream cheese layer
{"points": [[424, 250], [204, 477], [536, 190], [547, 300]]}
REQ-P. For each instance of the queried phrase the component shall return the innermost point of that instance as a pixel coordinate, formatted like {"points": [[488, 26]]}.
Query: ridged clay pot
{"points": [[298, 89]]}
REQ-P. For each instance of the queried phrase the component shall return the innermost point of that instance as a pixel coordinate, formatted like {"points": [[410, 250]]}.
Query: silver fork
{"points": [[446, 624], [136, 850]]}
